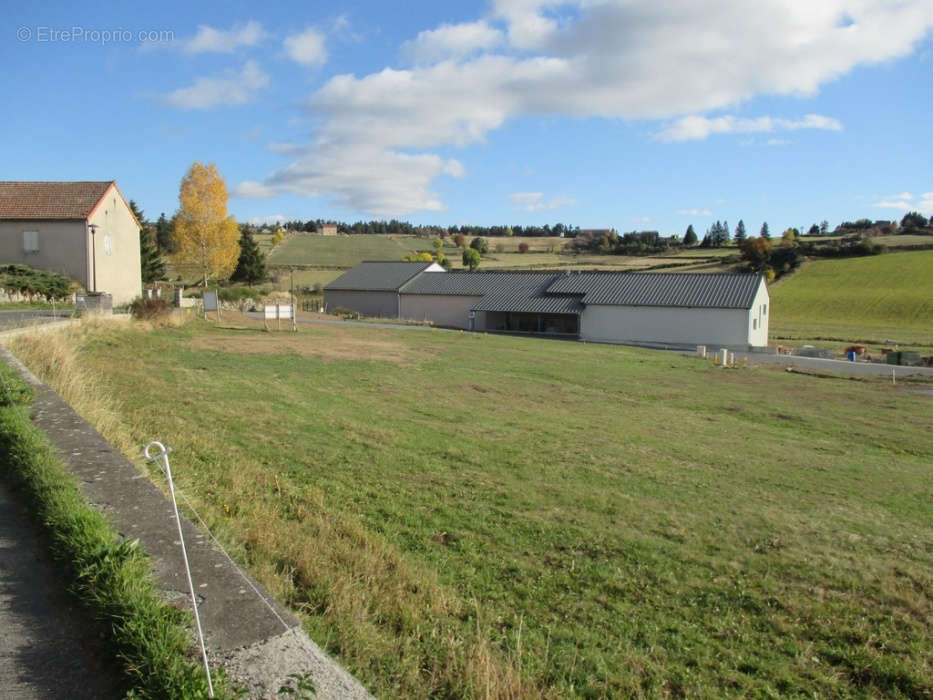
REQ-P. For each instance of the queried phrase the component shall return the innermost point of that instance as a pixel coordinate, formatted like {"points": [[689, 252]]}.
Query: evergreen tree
{"points": [[151, 263], [163, 234], [251, 265], [740, 234], [690, 237], [152, 266], [764, 231]]}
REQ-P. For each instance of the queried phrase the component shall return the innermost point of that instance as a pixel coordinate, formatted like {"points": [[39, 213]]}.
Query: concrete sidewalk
{"points": [[256, 639]]}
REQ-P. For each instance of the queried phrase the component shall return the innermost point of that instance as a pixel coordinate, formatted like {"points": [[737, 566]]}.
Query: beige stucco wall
{"points": [[64, 246], [61, 247], [442, 309], [660, 325], [118, 271]]}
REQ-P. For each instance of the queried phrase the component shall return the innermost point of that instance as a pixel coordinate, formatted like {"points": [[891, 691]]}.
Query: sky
{"points": [[596, 113]]}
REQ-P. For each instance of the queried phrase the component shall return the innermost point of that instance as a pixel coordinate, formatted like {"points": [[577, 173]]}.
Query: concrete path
{"points": [[841, 366], [246, 630], [46, 650]]}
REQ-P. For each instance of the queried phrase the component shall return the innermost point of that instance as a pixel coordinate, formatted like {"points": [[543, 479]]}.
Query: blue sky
{"points": [[598, 113]]}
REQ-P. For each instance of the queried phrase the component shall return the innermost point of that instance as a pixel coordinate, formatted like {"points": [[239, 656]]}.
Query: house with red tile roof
{"points": [[85, 230]]}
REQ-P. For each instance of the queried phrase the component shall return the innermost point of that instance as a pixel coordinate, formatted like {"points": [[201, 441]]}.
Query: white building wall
{"points": [[442, 309], [664, 325], [758, 317]]}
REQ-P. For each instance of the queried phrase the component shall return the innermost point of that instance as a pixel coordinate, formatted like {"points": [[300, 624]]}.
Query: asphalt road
{"points": [[840, 366], [48, 647]]}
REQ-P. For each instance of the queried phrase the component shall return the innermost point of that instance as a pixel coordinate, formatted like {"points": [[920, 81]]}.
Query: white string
{"points": [[235, 565], [163, 454]]}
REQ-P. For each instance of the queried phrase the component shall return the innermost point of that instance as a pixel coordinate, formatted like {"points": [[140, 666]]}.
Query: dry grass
{"points": [[317, 560]]}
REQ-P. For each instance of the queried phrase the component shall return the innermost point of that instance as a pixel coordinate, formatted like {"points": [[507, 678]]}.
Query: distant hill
{"points": [[888, 291]]}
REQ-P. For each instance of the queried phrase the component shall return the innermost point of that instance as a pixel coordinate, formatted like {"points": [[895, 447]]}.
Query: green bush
{"points": [[146, 309], [32, 283]]}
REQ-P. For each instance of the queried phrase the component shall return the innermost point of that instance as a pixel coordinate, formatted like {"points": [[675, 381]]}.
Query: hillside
{"points": [[875, 298]]}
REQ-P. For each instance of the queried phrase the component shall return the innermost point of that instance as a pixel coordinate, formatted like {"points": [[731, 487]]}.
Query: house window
{"points": [[754, 324], [764, 310], [31, 241], [108, 245]]}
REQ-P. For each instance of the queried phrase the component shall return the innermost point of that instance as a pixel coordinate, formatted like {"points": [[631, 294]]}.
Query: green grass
{"points": [[108, 575], [462, 514], [872, 298], [344, 251]]}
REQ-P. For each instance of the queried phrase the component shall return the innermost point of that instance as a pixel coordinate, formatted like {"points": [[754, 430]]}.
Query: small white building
{"points": [[84, 230], [659, 309]]}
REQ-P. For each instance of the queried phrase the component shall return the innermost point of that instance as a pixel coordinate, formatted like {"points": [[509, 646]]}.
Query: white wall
{"points": [[443, 309], [657, 324], [758, 317]]}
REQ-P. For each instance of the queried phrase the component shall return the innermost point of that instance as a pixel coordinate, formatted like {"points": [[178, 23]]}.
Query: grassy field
{"points": [[462, 515], [857, 299], [344, 251]]}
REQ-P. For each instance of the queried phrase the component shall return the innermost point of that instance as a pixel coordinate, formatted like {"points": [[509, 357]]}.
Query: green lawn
{"points": [[463, 515], [872, 298]]}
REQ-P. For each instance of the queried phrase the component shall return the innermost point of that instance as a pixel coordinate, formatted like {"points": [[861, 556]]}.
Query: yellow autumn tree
{"points": [[206, 238]]}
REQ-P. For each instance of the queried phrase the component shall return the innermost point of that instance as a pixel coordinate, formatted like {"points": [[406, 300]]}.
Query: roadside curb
{"points": [[250, 634]]}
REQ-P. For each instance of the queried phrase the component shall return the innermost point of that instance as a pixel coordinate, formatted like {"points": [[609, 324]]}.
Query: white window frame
{"points": [[30, 241]]}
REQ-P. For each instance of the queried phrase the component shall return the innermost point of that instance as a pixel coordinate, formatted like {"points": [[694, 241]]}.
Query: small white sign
{"points": [[285, 310], [270, 310], [210, 301]]}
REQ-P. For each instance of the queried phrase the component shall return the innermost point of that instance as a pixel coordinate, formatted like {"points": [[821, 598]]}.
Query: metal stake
{"points": [[152, 457]]}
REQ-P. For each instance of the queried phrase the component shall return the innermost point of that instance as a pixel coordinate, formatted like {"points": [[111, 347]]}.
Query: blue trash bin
{"points": [[851, 355]]}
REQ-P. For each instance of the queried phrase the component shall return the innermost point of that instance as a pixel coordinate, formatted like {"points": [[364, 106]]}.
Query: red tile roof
{"points": [[50, 200]]}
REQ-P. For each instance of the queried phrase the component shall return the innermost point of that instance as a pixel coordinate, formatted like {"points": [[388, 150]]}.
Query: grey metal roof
{"points": [[500, 291], [527, 293], [378, 276], [717, 291], [469, 284]]}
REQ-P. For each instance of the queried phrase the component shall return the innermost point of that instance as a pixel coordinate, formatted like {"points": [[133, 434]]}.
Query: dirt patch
{"points": [[331, 346]]}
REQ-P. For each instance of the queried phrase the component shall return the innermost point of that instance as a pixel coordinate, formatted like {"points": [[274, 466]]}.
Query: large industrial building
{"points": [[662, 309]]}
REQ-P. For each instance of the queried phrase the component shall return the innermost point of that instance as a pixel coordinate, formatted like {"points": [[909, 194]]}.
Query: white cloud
{"points": [[905, 201], [694, 212], [452, 41], [266, 220], [229, 89], [697, 128], [252, 190], [587, 58], [210, 40], [534, 201], [307, 48]]}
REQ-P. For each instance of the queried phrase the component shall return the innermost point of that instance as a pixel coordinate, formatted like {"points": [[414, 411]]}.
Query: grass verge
{"points": [[110, 576], [461, 515]]}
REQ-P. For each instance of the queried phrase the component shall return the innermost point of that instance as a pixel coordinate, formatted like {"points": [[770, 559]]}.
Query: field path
{"points": [[46, 650]]}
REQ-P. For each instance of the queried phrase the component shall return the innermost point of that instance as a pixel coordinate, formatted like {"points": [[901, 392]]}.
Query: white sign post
{"points": [[278, 312]]}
